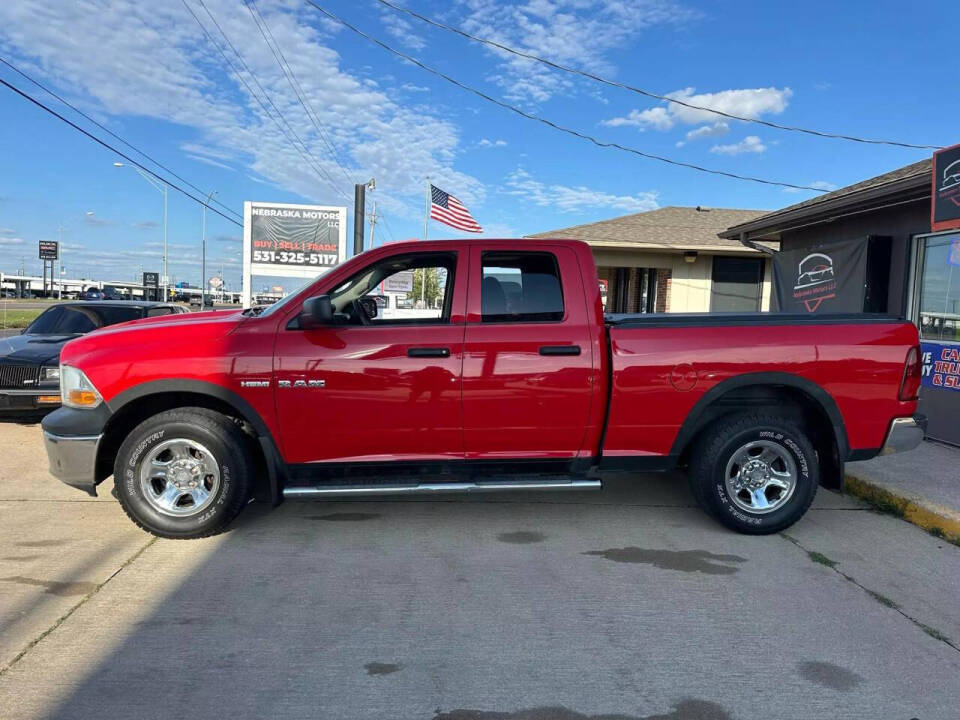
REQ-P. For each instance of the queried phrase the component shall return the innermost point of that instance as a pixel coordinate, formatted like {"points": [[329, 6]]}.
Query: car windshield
{"points": [[80, 319]]}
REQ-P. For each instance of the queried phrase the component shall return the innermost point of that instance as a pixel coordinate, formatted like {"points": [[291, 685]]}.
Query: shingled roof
{"points": [[911, 180], [679, 228]]}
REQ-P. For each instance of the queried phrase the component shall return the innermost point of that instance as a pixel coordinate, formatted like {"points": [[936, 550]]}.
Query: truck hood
{"points": [[208, 325]]}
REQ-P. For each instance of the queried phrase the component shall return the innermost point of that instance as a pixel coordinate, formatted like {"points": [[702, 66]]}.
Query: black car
{"points": [[30, 361]]}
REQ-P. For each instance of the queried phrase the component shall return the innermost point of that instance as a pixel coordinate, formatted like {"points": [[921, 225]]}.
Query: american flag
{"points": [[445, 208]]}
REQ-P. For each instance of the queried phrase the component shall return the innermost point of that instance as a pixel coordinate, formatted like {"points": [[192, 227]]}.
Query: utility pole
{"points": [[59, 275], [359, 216], [373, 223], [203, 251]]}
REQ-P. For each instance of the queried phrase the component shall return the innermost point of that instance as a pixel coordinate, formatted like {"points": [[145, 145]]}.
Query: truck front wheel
{"points": [[756, 473], [184, 473]]}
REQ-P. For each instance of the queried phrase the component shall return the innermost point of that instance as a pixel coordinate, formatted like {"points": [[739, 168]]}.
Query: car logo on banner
{"points": [[816, 281], [945, 195]]}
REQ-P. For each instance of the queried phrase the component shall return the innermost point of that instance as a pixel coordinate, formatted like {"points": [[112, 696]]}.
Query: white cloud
{"points": [[486, 143], [573, 32], [208, 161], [708, 131], [6, 231], [401, 28], [657, 118], [572, 199], [10, 241], [747, 103], [410, 87], [750, 144], [129, 58]]}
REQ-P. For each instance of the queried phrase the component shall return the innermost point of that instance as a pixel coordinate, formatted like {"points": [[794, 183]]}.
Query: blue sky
{"points": [[146, 71]]}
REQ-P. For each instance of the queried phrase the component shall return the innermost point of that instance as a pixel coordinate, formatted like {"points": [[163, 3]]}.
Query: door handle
{"points": [[559, 349], [426, 352]]}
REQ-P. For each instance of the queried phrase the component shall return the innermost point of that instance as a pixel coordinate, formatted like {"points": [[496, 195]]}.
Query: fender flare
{"points": [[797, 382], [276, 468]]}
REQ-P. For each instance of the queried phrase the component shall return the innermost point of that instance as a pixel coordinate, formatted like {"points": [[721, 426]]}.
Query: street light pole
{"points": [[161, 187], [203, 251]]}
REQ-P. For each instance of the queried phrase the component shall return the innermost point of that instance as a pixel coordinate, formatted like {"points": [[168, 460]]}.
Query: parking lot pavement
{"points": [[627, 603]]}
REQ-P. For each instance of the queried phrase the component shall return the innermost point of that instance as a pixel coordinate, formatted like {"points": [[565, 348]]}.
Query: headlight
{"points": [[76, 390], [50, 373]]}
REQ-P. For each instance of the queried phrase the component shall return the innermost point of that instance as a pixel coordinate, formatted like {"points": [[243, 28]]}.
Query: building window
{"points": [[736, 284], [939, 288]]}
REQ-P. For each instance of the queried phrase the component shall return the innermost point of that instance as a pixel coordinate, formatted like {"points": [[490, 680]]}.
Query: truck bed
{"points": [[665, 367]]}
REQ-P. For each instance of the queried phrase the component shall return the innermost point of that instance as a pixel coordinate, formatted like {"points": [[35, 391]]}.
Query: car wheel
{"points": [[756, 473], [184, 473]]}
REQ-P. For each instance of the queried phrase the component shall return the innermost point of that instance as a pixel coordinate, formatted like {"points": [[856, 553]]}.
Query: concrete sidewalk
{"points": [[922, 486]]}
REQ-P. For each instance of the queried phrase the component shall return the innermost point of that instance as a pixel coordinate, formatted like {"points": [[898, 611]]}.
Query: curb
{"points": [[936, 519]]}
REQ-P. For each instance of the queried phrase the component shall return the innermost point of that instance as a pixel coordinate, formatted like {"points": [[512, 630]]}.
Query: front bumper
{"points": [[28, 401], [905, 433], [73, 459]]}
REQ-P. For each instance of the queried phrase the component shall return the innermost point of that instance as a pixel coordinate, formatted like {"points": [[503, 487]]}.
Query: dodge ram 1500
{"points": [[502, 373]]}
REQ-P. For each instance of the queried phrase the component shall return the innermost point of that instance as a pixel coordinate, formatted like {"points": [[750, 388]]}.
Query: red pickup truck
{"points": [[504, 374]]}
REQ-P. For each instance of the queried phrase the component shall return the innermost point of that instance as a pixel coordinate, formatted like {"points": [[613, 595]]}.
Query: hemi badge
{"points": [[254, 383]]}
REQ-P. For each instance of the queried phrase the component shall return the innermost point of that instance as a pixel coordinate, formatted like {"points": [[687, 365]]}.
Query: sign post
{"points": [[49, 252], [945, 195], [284, 240], [151, 286]]}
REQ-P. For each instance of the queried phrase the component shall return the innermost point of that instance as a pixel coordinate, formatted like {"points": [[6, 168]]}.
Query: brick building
{"points": [[672, 260]]}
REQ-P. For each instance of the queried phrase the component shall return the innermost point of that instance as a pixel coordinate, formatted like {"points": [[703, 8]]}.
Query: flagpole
{"points": [[426, 207], [426, 221]]}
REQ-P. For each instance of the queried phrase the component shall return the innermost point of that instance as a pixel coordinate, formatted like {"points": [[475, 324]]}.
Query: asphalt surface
{"points": [[624, 604]]}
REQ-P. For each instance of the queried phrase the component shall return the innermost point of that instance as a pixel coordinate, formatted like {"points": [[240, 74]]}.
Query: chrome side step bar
{"points": [[435, 488]]}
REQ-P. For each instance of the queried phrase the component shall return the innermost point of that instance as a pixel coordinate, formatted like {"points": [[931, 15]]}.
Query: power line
{"points": [[111, 133], [285, 131], [298, 90], [552, 124], [306, 154], [292, 80], [110, 147], [641, 91]]}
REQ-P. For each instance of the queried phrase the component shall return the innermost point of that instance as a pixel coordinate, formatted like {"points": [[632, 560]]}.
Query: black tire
{"points": [[717, 448], [228, 446]]}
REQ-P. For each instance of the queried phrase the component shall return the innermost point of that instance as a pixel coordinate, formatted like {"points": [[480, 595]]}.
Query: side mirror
{"points": [[317, 312]]}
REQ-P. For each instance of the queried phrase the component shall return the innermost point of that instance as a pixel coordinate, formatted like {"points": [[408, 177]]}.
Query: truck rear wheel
{"points": [[756, 473], [184, 473]]}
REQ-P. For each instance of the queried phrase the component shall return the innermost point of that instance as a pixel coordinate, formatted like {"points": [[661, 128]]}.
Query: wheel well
{"points": [[136, 411], [782, 400]]}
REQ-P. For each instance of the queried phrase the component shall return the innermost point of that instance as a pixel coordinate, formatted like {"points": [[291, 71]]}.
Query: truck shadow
{"points": [[285, 615]]}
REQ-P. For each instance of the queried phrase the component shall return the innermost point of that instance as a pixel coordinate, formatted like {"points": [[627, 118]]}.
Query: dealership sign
{"points": [[401, 282], [945, 196], [821, 279], [284, 240], [49, 250], [941, 365]]}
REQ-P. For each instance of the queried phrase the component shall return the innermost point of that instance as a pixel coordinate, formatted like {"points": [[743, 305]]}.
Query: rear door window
{"points": [[520, 287]]}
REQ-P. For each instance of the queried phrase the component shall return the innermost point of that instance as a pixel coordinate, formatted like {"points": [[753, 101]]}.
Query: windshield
{"points": [[80, 319]]}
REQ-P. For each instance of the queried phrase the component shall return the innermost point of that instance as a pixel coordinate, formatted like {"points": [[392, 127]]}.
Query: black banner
{"points": [[49, 250], [151, 279], [945, 196], [294, 236], [825, 278]]}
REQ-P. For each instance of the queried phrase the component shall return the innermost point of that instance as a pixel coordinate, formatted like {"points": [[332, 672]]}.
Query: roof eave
{"points": [[777, 221]]}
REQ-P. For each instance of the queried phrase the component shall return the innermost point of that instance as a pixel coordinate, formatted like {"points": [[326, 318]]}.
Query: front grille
{"points": [[19, 377]]}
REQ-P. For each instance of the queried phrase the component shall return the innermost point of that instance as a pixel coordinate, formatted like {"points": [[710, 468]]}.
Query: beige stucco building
{"points": [[672, 260]]}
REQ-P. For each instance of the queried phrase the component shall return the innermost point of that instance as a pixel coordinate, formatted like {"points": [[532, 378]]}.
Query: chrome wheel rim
{"points": [[761, 477], [179, 477]]}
